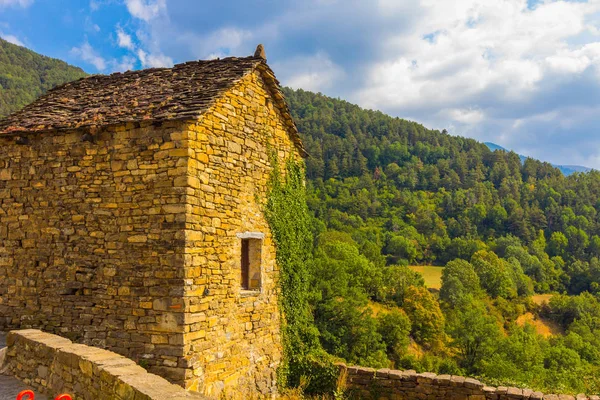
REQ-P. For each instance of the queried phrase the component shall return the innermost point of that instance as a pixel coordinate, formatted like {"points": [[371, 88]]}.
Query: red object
{"points": [[26, 395], [29, 395]]}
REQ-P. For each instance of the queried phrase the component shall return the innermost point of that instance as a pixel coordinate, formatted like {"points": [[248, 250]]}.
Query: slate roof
{"points": [[183, 92]]}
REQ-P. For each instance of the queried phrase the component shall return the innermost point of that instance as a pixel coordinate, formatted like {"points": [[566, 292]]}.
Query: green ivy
{"points": [[290, 222]]}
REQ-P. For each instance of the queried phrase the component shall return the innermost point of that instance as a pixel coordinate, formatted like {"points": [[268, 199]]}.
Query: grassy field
{"points": [[542, 326], [431, 274], [541, 298]]}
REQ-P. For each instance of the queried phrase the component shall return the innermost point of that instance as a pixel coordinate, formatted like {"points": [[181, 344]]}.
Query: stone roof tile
{"points": [[183, 92]]}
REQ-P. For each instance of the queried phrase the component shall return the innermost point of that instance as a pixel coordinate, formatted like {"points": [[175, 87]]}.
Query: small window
{"points": [[251, 257]]}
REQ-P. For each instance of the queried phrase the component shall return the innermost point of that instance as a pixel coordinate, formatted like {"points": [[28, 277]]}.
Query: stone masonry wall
{"points": [[131, 241], [232, 337], [368, 383], [92, 238], [54, 365]]}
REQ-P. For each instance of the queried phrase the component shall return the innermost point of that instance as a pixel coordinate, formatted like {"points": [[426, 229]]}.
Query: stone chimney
{"points": [[260, 52]]}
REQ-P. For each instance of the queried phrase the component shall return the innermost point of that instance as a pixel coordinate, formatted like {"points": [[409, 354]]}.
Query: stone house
{"points": [[131, 219]]}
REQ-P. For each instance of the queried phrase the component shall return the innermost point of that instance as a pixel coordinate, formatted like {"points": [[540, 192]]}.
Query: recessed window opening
{"points": [[251, 260]]}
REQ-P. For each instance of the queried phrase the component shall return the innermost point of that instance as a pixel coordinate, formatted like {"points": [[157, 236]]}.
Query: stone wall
{"points": [[92, 238], [368, 383], [232, 336], [54, 365]]}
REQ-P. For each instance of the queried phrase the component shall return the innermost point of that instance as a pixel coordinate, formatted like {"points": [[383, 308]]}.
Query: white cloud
{"points": [[124, 40], [95, 5], [223, 42], [467, 48], [90, 26], [154, 60], [20, 3], [11, 39], [127, 63], [87, 53], [315, 72], [146, 9], [143, 57], [466, 116], [574, 61]]}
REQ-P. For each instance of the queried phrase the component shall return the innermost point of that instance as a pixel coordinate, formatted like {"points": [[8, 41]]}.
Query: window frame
{"points": [[245, 261]]}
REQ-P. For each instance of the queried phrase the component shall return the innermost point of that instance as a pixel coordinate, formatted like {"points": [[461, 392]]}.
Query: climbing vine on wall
{"points": [[290, 222]]}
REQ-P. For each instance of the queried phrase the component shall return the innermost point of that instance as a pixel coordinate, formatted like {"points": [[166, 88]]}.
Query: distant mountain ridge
{"points": [[26, 75], [565, 169]]}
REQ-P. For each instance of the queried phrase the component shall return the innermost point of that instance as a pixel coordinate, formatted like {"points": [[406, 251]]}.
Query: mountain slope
{"points": [[427, 197], [25, 75], [565, 169], [388, 193]]}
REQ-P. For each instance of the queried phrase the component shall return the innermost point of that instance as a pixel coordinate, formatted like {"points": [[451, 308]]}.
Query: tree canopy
{"points": [[26, 75]]}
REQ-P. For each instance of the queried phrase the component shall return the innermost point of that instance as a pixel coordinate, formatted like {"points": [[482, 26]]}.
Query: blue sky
{"points": [[522, 73]]}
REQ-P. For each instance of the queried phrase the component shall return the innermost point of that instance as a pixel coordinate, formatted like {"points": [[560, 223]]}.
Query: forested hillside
{"points": [[25, 75], [388, 193]]}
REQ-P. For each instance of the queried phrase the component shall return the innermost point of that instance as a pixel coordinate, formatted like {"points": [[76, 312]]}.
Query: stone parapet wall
{"points": [[53, 365], [368, 383]]}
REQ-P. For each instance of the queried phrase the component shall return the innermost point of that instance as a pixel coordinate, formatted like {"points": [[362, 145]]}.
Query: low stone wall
{"points": [[54, 365], [368, 383]]}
